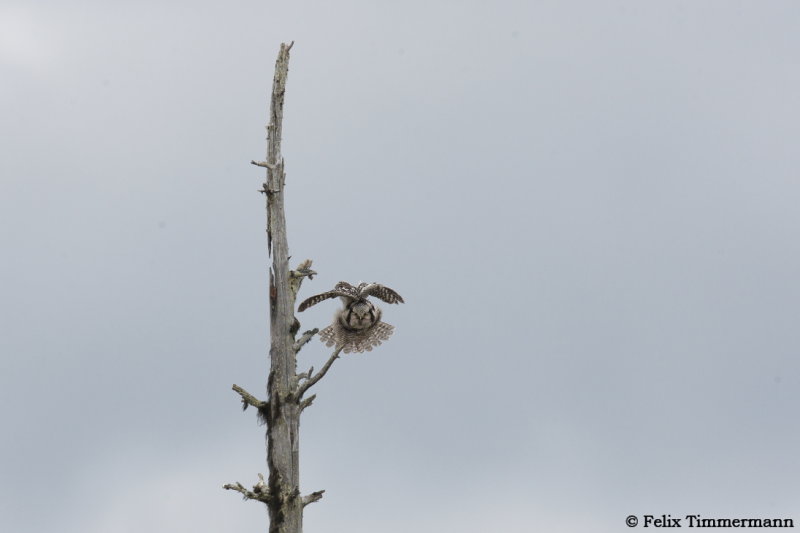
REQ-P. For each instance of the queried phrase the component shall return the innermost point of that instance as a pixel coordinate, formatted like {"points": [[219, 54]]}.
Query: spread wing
{"points": [[317, 298], [342, 289], [384, 293]]}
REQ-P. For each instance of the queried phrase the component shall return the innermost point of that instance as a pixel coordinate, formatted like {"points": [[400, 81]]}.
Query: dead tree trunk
{"points": [[283, 415], [285, 387]]}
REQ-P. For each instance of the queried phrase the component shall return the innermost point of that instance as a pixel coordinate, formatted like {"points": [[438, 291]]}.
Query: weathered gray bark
{"points": [[285, 392], [283, 416]]}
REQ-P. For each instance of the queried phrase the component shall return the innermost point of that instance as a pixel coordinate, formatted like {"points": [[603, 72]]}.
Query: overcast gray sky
{"points": [[590, 208]]}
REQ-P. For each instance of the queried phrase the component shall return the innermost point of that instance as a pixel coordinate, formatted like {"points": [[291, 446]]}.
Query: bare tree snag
{"points": [[283, 417], [285, 387], [281, 411]]}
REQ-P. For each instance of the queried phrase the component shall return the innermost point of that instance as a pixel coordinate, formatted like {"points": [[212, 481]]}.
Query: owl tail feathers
{"points": [[356, 341]]}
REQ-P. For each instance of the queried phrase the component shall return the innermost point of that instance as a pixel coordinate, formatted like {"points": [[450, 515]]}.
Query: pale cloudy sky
{"points": [[591, 209]]}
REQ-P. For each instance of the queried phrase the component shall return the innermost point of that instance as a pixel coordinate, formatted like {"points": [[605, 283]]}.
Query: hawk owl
{"points": [[357, 326]]}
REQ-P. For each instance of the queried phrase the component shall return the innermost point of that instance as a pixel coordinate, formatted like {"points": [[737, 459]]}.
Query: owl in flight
{"points": [[357, 326]]}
